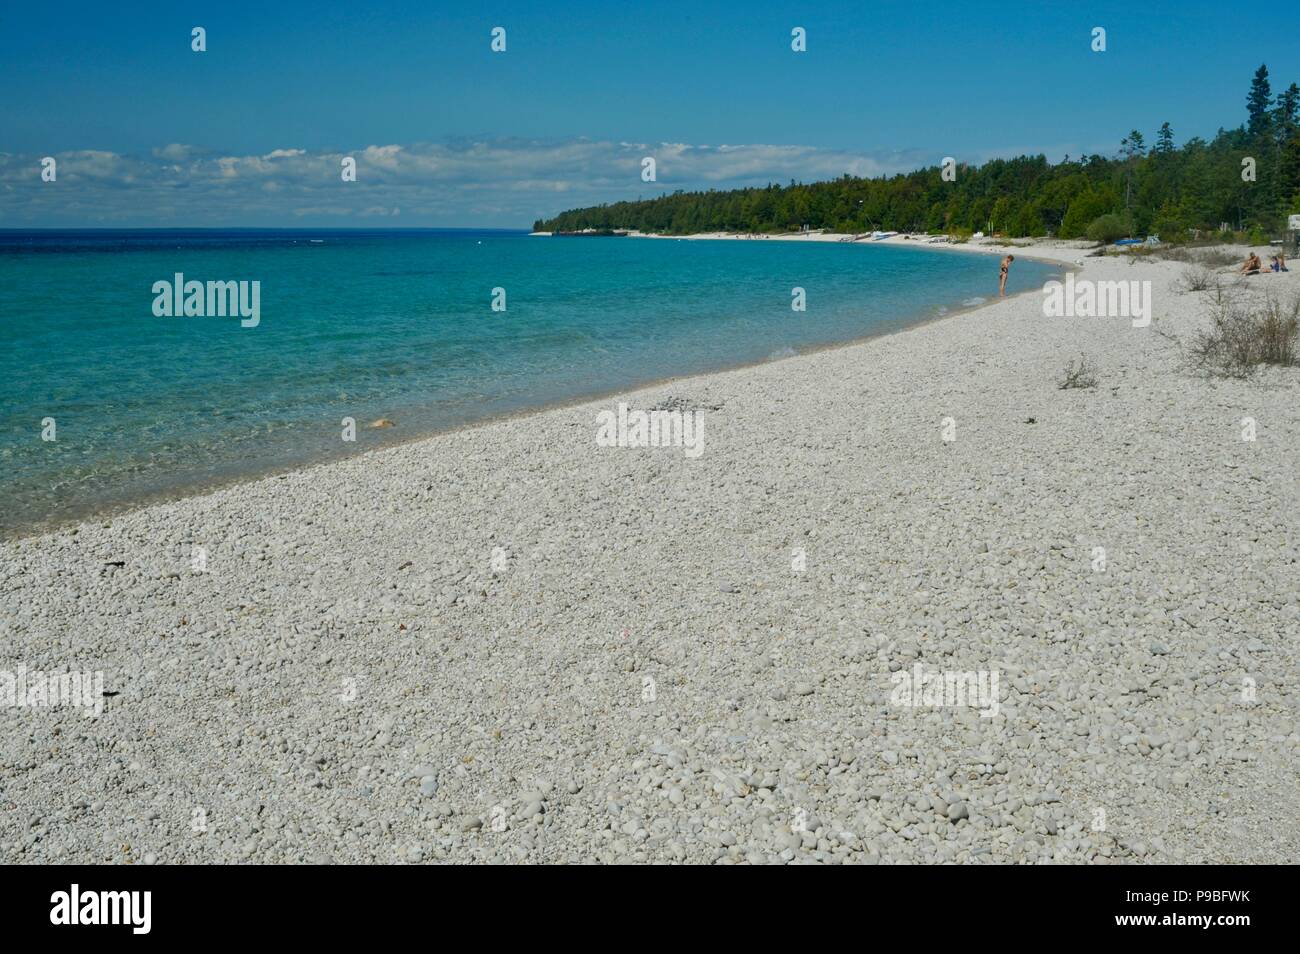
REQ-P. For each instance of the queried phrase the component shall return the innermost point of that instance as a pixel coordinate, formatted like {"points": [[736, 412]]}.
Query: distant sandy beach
{"points": [[510, 643], [1065, 252]]}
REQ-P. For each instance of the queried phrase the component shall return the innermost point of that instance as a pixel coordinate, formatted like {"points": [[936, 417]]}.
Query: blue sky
{"points": [[448, 133]]}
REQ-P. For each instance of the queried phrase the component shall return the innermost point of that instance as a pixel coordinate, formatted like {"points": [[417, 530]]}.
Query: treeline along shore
{"points": [[1245, 179]]}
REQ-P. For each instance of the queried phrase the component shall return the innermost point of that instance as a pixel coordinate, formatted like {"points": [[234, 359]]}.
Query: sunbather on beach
{"points": [[1002, 276], [1252, 265]]}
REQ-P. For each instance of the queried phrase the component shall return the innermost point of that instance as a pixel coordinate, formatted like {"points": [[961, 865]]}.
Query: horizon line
{"points": [[264, 228]]}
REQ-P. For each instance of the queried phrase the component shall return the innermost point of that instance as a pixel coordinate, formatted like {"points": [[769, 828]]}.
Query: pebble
{"points": [[375, 688]]}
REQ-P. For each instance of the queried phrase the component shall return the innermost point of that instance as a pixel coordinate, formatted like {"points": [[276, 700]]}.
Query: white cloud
{"points": [[176, 151], [464, 182]]}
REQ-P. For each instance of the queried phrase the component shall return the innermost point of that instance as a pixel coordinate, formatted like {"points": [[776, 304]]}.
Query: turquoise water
{"points": [[394, 324]]}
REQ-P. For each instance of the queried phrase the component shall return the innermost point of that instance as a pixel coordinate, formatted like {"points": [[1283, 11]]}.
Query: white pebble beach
{"points": [[507, 643]]}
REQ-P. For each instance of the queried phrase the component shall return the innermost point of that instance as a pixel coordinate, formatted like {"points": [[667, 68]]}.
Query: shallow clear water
{"points": [[394, 324]]}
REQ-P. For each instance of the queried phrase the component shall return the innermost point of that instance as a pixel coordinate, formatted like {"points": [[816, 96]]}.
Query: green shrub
{"points": [[1171, 230], [1109, 227], [1084, 208]]}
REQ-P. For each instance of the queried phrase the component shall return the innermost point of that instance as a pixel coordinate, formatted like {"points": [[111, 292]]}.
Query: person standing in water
{"points": [[1002, 277]]}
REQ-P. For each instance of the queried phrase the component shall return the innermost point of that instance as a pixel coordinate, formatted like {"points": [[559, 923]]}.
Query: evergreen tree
{"points": [[1165, 139], [1258, 102], [1134, 146], [1131, 148], [1286, 116]]}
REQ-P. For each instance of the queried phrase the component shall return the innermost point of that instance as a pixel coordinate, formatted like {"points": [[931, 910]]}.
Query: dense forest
{"points": [[1156, 188]]}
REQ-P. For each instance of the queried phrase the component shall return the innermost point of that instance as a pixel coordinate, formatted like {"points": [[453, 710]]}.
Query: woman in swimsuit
{"points": [[1002, 276]]}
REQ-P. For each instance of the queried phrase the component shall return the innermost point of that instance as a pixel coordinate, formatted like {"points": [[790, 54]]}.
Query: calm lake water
{"points": [[395, 324]]}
